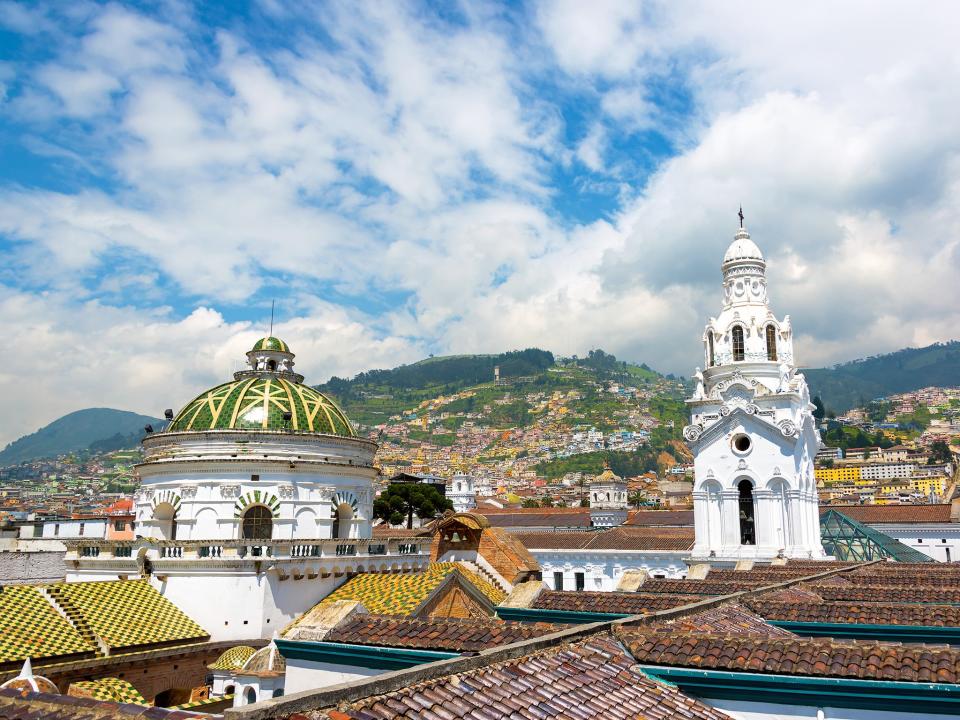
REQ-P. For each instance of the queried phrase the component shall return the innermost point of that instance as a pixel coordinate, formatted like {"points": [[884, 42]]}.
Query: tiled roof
{"points": [[867, 613], [16, 705], [649, 518], [621, 538], [466, 635], [125, 613], [539, 517], [727, 619], [702, 587], [383, 594], [623, 603], [768, 575], [797, 656], [890, 594], [592, 679], [31, 627], [110, 689], [233, 658], [877, 514]]}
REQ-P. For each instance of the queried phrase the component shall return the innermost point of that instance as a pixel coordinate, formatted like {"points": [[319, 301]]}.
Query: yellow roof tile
{"points": [[31, 627]]}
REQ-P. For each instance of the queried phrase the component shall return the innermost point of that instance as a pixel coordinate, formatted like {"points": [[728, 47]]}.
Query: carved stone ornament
{"points": [[724, 410], [751, 409], [229, 491], [146, 494], [285, 491], [742, 465], [787, 428], [188, 492], [691, 433], [327, 493], [776, 471], [710, 473]]}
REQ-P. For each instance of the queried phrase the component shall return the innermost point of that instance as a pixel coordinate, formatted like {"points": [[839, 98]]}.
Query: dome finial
{"points": [[739, 214]]}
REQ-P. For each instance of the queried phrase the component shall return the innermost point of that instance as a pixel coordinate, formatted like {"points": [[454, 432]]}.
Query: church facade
{"points": [[752, 430]]}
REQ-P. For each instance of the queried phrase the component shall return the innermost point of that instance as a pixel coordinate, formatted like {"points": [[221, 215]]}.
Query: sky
{"points": [[407, 179]]}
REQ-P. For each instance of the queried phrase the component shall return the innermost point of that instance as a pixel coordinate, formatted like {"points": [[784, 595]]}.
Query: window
{"points": [[737, 335], [56, 529], [250, 695], [81, 529], [254, 478], [771, 342], [580, 580], [748, 534], [278, 692], [710, 361], [257, 523], [558, 581], [119, 525], [948, 554]]}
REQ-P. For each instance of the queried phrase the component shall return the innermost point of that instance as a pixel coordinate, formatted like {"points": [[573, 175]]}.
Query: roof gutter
{"points": [[374, 657]]}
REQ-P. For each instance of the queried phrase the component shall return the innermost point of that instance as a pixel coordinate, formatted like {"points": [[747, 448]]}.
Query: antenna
{"points": [[273, 304]]}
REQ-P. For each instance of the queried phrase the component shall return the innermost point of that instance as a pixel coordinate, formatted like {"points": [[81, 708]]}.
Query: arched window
{"points": [[748, 531], [257, 523], [737, 334], [710, 361], [771, 342], [272, 365], [251, 695], [341, 521], [166, 515]]}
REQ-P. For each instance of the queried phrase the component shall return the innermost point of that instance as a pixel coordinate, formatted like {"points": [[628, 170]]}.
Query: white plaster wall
{"points": [[928, 539], [208, 502], [743, 710], [92, 529], [309, 675], [602, 570], [242, 606]]}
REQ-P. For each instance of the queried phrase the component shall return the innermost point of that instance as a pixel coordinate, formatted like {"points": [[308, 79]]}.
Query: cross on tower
{"points": [[740, 214]]}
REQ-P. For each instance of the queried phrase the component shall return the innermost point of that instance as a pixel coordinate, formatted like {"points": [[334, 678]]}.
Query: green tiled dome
{"points": [[271, 343], [258, 403]]}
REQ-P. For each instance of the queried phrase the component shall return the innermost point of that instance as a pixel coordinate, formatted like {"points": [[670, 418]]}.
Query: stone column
{"points": [[730, 512]]}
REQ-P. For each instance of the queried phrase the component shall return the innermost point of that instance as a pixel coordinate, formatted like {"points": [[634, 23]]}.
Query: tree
{"points": [[818, 411], [529, 503], [402, 500], [939, 453]]}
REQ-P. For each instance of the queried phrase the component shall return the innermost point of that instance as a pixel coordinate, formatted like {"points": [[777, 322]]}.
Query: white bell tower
{"points": [[752, 430]]}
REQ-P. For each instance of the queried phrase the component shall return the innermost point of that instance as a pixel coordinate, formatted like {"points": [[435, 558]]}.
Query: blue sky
{"points": [[414, 178]]}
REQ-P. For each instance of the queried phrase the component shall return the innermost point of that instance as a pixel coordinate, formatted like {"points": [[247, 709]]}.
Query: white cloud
{"points": [[413, 155]]}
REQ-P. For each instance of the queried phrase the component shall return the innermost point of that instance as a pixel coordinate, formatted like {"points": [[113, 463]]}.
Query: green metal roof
{"points": [[846, 539], [271, 343], [259, 403]]}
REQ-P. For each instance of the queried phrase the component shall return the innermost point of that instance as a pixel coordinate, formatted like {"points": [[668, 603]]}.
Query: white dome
{"points": [[742, 248]]}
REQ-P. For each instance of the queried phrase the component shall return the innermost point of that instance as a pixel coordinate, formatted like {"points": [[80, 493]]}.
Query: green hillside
{"points": [[94, 429], [856, 383], [371, 398]]}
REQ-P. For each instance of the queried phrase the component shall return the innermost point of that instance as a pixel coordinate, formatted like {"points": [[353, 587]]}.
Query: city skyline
{"points": [[416, 179]]}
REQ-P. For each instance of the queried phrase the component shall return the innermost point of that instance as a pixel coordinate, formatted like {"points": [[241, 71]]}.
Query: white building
{"points": [[752, 430], [462, 493], [608, 500], [255, 503]]}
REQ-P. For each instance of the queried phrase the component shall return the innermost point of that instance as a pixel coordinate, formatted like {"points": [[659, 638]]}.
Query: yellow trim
{"points": [[236, 405]]}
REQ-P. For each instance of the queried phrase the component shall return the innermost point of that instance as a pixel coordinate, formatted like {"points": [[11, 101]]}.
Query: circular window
{"points": [[742, 443]]}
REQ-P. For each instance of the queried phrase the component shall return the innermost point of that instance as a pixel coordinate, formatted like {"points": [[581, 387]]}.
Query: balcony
{"points": [[300, 557]]}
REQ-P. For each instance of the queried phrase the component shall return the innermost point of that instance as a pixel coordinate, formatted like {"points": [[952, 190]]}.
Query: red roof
{"points": [[878, 514]]}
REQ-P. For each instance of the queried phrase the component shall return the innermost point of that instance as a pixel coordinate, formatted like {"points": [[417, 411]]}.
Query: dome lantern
{"points": [[270, 355]]}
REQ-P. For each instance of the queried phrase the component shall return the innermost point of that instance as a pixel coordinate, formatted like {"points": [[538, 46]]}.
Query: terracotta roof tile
{"points": [[877, 514], [702, 587], [466, 635], [622, 538], [624, 603], [730, 618], [875, 613], [539, 517], [650, 518], [591, 679], [889, 593], [797, 656]]}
